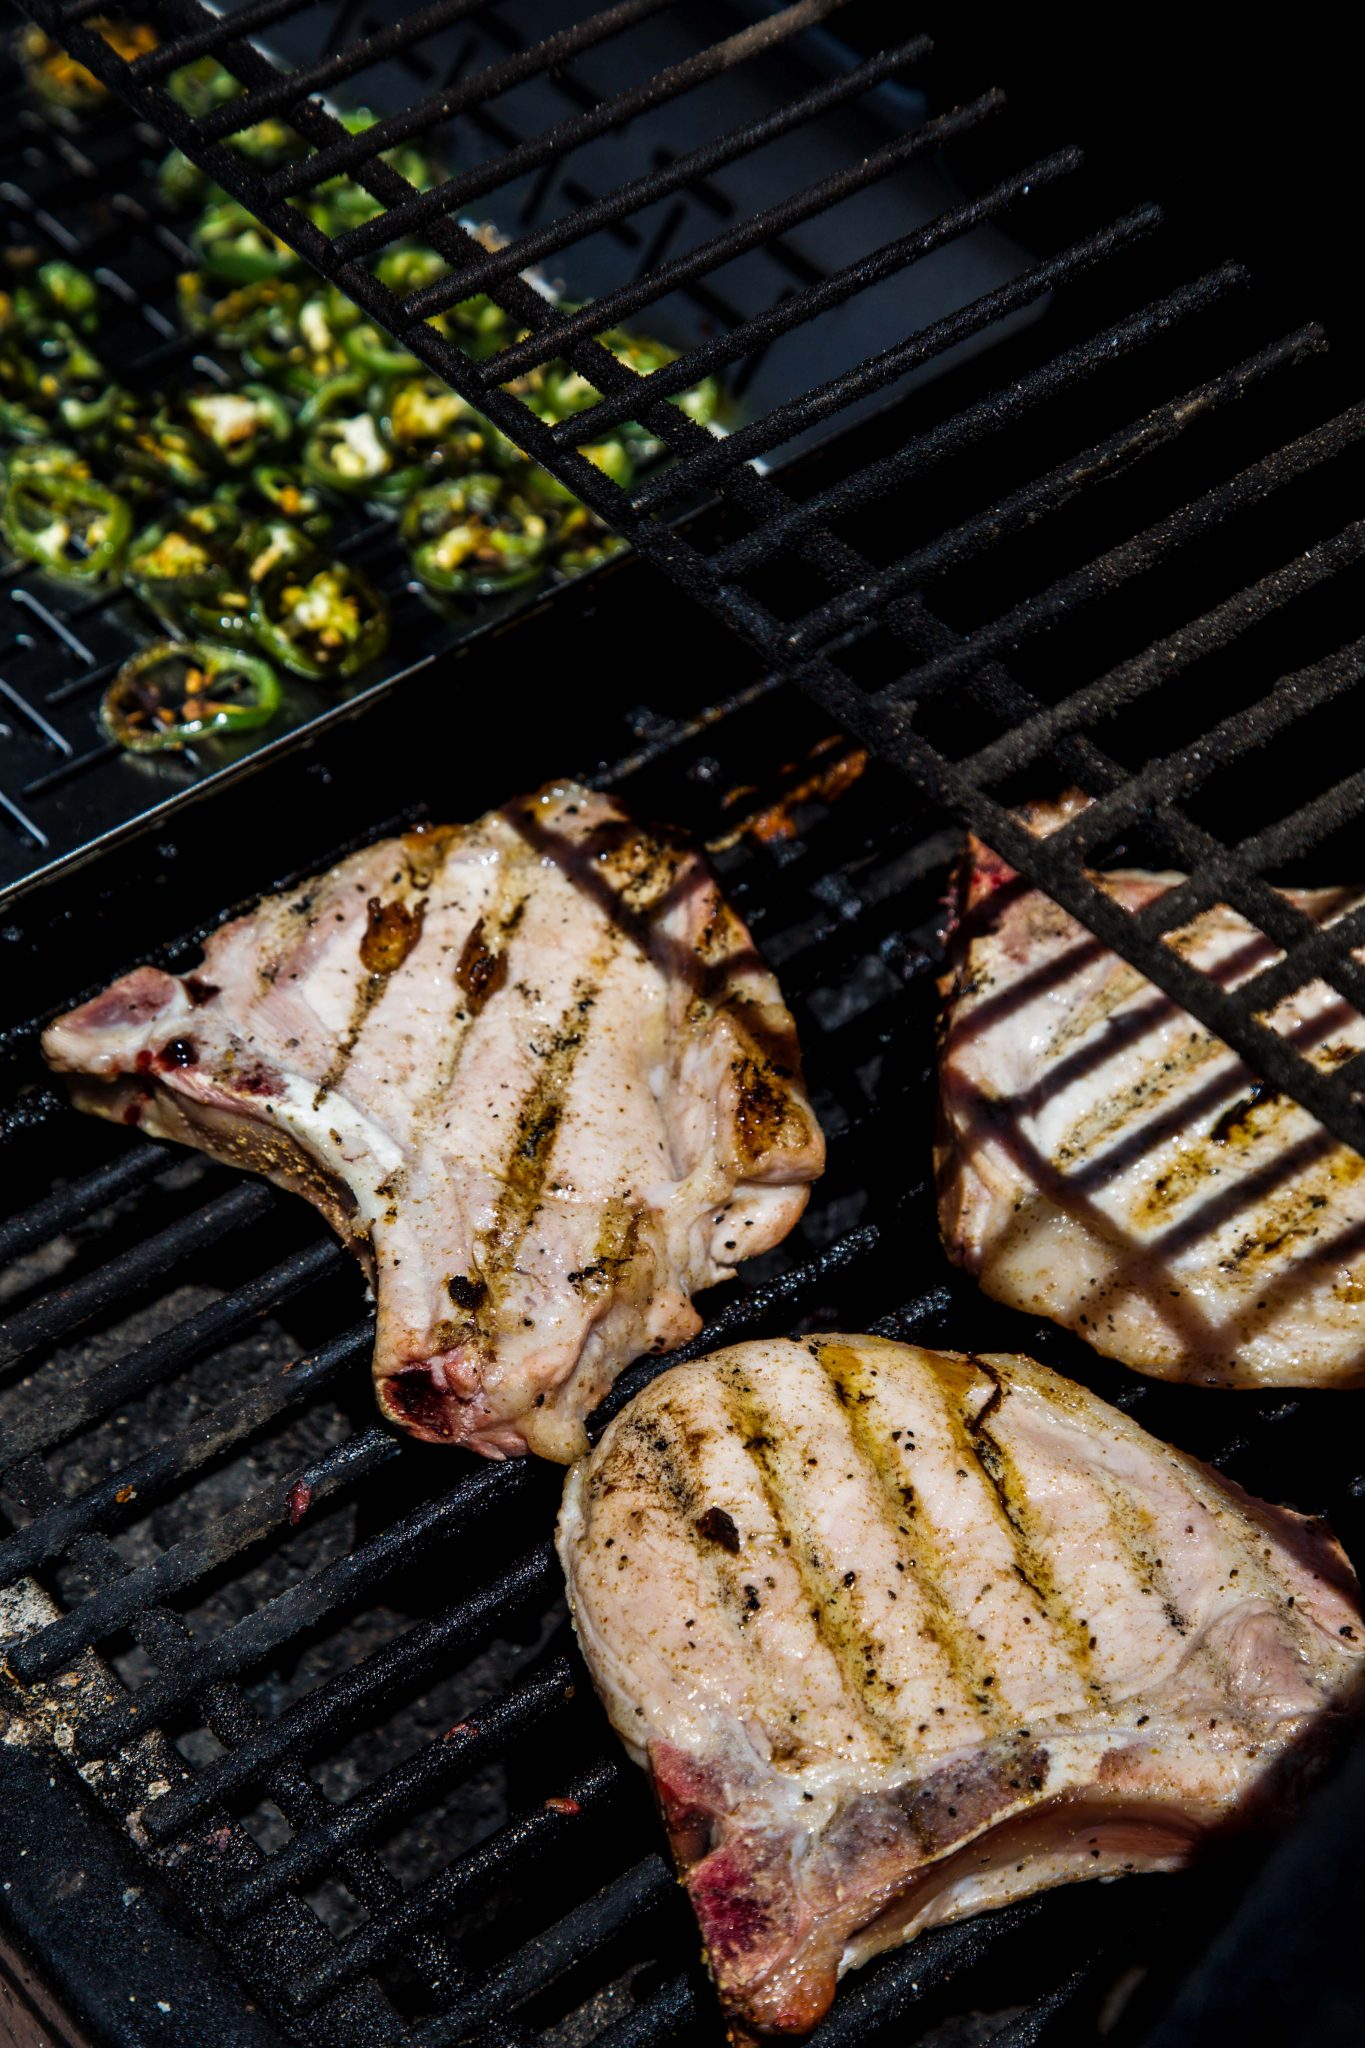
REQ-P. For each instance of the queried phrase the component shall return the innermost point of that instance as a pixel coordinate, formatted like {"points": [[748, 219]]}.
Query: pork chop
{"points": [[532, 1071], [901, 1635], [1106, 1161]]}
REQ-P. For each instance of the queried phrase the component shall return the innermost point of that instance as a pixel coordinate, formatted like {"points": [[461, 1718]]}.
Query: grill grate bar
{"points": [[417, 215], [696, 164], [581, 1932], [798, 310], [57, 1645], [176, 1458], [1031, 738], [183, 49], [529, 1835], [712, 461], [1133, 558], [164, 1637], [657, 282], [53, 1413], [916, 457], [1309, 957], [64, 1309], [361, 1689], [844, 618], [79, 1199], [283, 93], [422, 1776], [278, 1620]]}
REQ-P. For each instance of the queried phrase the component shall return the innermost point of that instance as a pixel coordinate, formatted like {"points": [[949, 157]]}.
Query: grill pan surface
{"points": [[88, 193]]}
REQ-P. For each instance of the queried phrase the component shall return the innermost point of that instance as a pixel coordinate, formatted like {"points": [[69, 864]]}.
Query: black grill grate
{"points": [[88, 192], [927, 688], [1142, 500], [335, 1638]]}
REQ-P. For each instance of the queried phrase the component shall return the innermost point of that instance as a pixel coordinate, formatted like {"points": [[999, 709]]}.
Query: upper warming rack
{"points": [[1115, 560]]}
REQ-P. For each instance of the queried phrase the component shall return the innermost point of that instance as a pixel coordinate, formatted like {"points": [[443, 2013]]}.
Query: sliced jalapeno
{"points": [[286, 495], [57, 515], [584, 543], [319, 617], [240, 425], [58, 291], [344, 449], [180, 183], [60, 81], [178, 691], [180, 565], [612, 457], [233, 245], [200, 86], [162, 453], [474, 536], [372, 351], [428, 423]]}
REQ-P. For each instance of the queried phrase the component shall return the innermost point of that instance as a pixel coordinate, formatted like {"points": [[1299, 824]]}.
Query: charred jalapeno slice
{"points": [[319, 617], [57, 515], [223, 610], [58, 291], [178, 691], [64, 84], [241, 425], [474, 536], [584, 543]]}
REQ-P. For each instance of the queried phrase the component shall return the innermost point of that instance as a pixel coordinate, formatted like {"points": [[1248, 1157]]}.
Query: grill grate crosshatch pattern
{"points": [[334, 1668], [366, 1714], [882, 647]]}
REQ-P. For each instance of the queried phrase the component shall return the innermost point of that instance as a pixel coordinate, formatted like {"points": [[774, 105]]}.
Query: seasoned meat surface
{"points": [[531, 1069], [904, 1634], [1106, 1161]]}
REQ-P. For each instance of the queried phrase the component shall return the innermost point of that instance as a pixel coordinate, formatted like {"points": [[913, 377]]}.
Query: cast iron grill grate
{"points": [[88, 191], [375, 1773], [1205, 485]]}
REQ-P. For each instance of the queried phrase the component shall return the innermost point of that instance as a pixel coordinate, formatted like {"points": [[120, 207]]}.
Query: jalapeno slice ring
{"points": [[474, 536], [318, 616], [177, 691], [57, 515]]}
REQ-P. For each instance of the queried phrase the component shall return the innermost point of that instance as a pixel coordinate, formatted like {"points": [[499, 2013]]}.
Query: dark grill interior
{"points": [[367, 1713]]}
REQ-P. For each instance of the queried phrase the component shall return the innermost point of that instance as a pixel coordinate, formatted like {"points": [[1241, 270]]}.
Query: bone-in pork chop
{"points": [[1106, 1161], [532, 1071], [903, 1634]]}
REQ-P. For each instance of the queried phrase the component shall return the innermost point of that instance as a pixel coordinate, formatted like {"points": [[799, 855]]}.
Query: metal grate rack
{"points": [[86, 190], [326, 1677], [1223, 498]]}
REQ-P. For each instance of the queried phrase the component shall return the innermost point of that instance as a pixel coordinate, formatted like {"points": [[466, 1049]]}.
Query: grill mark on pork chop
{"points": [[830, 1607], [505, 914], [393, 932], [974, 1675], [1010, 1503], [535, 1131]]}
